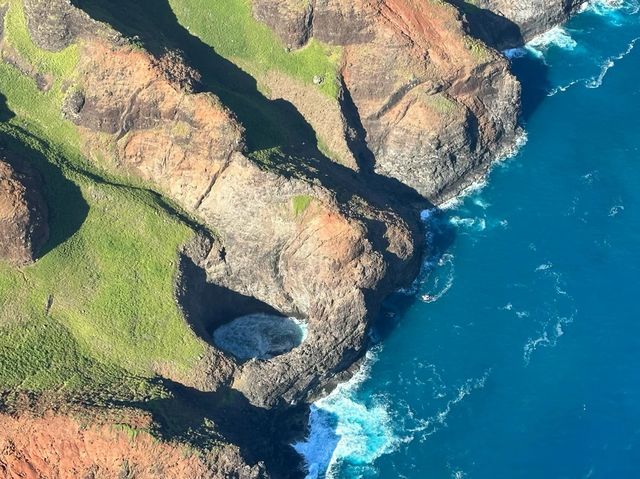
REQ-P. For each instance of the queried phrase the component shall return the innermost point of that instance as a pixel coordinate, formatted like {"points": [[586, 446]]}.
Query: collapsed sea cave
{"points": [[238, 325]]}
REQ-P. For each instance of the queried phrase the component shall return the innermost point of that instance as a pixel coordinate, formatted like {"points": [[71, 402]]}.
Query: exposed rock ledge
{"points": [[56, 446], [436, 105], [23, 211], [302, 235], [534, 16]]}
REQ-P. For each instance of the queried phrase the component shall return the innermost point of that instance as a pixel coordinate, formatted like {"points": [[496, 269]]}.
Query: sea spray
{"points": [[346, 429], [556, 37]]}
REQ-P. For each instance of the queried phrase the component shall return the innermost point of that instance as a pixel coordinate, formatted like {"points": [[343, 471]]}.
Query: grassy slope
{"points": [[229, 27], [112, 261]]}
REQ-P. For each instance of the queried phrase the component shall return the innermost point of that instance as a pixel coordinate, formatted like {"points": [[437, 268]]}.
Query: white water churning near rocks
{"points": [[260, 336]]}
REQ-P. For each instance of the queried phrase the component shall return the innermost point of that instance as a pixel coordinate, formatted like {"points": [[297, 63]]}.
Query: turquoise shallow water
{"points": [[518, 353]]}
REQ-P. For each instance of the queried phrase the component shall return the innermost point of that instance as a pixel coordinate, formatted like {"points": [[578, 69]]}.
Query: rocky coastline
{"points": [[321, 227]]}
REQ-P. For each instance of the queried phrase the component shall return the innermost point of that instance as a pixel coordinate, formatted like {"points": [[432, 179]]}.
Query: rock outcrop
{"points": [[437, 106], [23, 211], [56, 24], [423, 104], [534, 16], [300, 234]]}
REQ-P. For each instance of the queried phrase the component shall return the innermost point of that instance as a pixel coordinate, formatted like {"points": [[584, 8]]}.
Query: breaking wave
{"points": [[556, 37], [343, 429], [612, 7]]}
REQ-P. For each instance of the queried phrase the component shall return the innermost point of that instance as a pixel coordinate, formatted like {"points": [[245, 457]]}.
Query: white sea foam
{"points": [[556, 37], [544, 267], [474, 187], [616, 210], [596, 81], [609, 63], [260, 336], [611, 7], [512, 53], [439, 279], [475, 224], [437, 272], [478, 201], [428, 427], [501, 160], [342, 428]]}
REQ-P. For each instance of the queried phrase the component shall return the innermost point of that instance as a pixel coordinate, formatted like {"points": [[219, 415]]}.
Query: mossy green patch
{"points": [[300, 204], [441, 103], [479, 51]]}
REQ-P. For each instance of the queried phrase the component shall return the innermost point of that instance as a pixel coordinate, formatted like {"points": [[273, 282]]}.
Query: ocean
{"points": [[517, 352]]}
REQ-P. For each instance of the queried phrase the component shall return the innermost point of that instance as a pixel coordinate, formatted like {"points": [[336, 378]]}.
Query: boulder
{"points": [[23, 212]]}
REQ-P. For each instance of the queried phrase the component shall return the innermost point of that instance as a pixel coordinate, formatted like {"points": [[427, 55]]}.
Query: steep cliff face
{"points": [[534, 16], [23, 211], [422, 104], [295, 233], [437, 106]]}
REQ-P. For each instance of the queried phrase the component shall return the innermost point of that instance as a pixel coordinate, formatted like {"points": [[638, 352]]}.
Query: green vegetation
{"points": [[229, 27], [98, 308], [478, 49], [300, 203], [103, 295], [441, 103]]}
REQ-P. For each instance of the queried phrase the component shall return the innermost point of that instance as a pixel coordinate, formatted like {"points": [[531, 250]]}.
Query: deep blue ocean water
{"points": [[518, 353]]}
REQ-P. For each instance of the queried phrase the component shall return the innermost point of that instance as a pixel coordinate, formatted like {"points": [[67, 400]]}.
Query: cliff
{"points": [[201, 168], [533, 17], [23, 211], [435, 105]]}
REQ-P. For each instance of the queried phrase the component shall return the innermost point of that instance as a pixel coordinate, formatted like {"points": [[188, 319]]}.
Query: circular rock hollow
{"points": [[260, 336]]}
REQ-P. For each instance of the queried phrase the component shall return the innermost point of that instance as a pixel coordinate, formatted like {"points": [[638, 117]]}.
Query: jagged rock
{"points": [[23, 212], [533, 16], [55, 24], [437, 105], [163, 132], [293, 18]]}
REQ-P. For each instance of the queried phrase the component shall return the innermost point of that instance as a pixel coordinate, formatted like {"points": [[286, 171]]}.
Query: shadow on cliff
{"points": [[268, 123], [206, 305], [495, 30], [261, 434], [152, 23], [67, 207], [533, 74]]}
